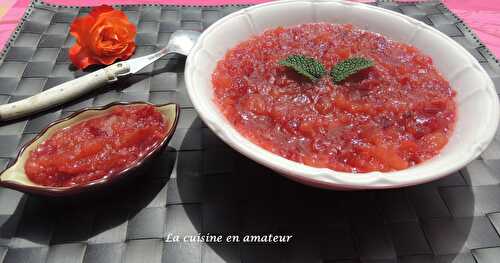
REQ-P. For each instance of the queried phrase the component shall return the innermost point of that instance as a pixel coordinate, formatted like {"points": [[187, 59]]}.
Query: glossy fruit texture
{"points": [[394, 115], [97, 147]]}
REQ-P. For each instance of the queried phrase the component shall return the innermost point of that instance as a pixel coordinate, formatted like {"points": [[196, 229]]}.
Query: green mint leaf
{"points": [[348, 67], [306, 66]]}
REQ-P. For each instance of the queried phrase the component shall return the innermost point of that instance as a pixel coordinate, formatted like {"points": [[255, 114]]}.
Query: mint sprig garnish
{"points": [[348, 67], [306, 66]]}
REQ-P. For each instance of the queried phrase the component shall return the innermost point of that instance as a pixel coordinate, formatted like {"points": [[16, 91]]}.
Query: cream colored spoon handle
{"points": [[62, 93]]}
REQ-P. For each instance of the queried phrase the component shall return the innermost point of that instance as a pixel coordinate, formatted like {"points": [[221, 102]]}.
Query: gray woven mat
{"points": [[200, 185]]}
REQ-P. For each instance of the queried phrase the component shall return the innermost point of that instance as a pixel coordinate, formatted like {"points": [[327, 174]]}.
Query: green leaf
{"points": [[306, 66], [348, 67]]}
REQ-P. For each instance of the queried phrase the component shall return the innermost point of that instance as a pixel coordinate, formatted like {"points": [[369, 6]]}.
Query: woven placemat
{"points": [[199, 185]]}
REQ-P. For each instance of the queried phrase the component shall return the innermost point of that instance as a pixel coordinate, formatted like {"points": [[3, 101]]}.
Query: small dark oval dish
{"points": [[15, 178]]}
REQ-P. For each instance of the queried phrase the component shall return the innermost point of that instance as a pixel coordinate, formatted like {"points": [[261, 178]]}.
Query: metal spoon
{"points": [[181, 42]]}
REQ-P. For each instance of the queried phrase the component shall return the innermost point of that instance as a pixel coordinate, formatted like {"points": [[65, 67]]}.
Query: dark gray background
{"points": [[200, 185]]}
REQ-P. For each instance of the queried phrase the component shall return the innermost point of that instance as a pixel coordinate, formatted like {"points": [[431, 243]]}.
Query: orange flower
{"points": [[102, 37]]}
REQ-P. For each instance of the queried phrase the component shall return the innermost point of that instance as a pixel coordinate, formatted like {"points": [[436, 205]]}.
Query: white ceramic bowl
{"points": [[477, 101]]}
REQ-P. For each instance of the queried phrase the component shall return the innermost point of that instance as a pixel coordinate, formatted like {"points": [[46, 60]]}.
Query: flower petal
{"points": [[129, 51], [98, 10]]}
